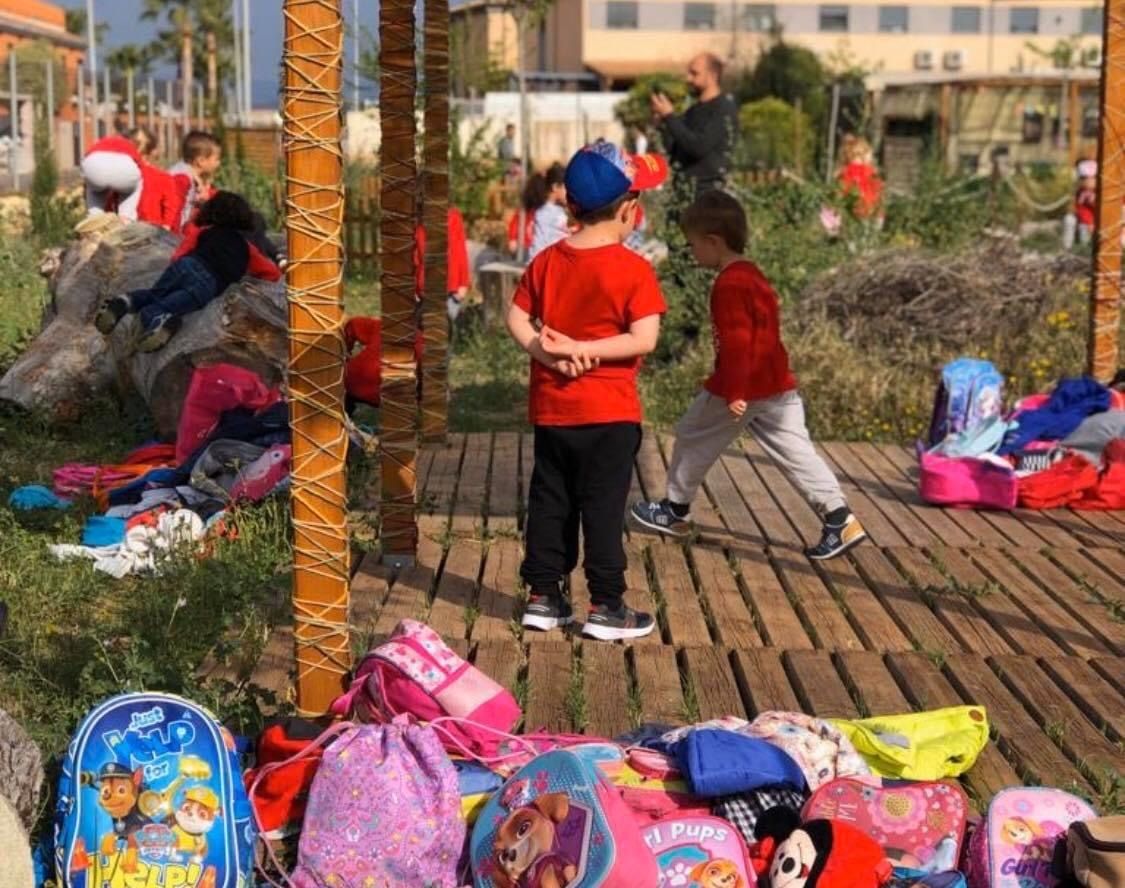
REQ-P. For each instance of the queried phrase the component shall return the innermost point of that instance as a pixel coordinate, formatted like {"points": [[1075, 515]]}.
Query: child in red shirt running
{"points": [[752, 387], [587, 310]]}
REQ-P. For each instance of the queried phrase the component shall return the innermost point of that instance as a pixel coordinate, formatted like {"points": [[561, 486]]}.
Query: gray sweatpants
{"points": [[778, 423]]}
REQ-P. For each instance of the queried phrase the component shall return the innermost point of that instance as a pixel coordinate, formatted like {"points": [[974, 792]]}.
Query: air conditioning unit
{"points": [[954, 60], [1092, 57], [923, 60]]}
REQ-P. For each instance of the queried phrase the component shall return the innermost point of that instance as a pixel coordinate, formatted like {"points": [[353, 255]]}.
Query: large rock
{"points": [[70, 362], [21, 771]]}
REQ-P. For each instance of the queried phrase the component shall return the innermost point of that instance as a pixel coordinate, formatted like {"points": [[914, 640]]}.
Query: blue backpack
{"points": [[151, 794], [970, 392]]}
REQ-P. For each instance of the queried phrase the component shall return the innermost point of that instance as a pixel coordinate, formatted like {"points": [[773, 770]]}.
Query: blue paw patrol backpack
{"points": [[151, 794], [559, 821]]}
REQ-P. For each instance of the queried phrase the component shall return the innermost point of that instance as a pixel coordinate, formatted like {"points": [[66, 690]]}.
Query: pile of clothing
{"points": [[232, 446]]}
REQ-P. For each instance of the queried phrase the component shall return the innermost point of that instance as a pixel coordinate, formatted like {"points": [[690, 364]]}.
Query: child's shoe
{"points": [[836, 539], [661, 517], [614, 625], [110, 313], [157, 334], [547, 609]]}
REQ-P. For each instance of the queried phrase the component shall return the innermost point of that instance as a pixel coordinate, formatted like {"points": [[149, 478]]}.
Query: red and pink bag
{"points": [[1015, 843], [921, 826], [966, 482], [703, 851], [415, 673]]}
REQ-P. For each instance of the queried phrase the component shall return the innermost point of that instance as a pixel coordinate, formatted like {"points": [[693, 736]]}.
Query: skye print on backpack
{"points": [[150, 795], [970, 392], [700, 852]]}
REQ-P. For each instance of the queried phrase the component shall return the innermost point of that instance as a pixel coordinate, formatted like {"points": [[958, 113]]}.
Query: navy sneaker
{"points": [[614, 625], [157, 335], [110, 314], [547, 610], [659, 516], [836, 539]]}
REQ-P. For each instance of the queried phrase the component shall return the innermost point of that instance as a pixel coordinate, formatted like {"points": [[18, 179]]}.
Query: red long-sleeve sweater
{"points": [[750, 361], [456, 255]]}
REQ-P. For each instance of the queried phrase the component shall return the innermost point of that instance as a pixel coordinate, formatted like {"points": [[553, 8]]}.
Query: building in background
{"points": [[621, 40], [26, 21]]}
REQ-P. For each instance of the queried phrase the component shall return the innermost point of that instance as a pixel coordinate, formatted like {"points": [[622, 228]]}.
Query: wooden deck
{"points": [[1020, 612]]}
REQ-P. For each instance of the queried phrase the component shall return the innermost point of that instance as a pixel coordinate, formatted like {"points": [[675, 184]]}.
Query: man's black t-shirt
{"points": [[700, 141]]}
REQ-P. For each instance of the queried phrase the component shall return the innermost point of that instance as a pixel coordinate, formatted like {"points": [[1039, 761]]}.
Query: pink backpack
{"points": [[1014, 844], [384, 811], [921, 826], [966, 482], [699, 851], [415, 673]]}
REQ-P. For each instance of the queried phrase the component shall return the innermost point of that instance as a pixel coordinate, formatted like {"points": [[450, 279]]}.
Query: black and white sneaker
{"points": [[110, 313], [546, 611], [614, 625], [661, 517], [836, 539], [159, 333]]}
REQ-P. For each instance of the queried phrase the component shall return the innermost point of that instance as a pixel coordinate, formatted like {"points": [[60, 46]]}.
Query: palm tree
{"points": [[214, 53], [178, 14], [133, 60]]}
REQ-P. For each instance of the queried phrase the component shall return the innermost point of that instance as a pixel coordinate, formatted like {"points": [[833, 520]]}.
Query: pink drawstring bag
{"points": [[213, 391], [966, 482]]}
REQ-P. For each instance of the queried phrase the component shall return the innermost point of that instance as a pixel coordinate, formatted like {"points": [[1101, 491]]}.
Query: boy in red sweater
{"points": [[752, 387], [586, 311]]}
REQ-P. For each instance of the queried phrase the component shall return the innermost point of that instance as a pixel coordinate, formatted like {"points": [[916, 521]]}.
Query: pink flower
{"points": [[898, 813]]}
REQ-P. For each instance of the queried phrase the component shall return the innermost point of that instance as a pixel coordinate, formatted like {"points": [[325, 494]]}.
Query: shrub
{"points": [[635, 110], [774, 134]]}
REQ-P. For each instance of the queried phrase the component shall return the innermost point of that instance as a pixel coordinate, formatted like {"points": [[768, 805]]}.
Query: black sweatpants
{"points": [[582, 477]]}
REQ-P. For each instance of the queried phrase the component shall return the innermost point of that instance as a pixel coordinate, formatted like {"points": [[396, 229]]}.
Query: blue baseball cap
{"points": [[601, 173]]}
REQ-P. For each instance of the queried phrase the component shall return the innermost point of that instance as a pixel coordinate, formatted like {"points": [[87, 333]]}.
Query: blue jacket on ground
{"points": [[1070, 403], [719, 763]]}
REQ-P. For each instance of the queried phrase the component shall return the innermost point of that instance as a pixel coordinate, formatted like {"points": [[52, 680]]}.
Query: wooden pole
{"points": [[399, 217], [1105, 288], [314, 164], [435, 214]]}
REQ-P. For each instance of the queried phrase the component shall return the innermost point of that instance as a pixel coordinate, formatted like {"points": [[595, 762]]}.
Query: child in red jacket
{"points": [[859, 178], [752, 388], [456, 262], [226, 243]]}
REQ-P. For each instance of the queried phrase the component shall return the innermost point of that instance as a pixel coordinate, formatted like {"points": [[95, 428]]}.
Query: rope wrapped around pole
{"points": [[314, 164]]}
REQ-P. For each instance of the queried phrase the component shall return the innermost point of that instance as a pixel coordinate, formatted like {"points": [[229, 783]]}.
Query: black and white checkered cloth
{"points": [[743, 810]]}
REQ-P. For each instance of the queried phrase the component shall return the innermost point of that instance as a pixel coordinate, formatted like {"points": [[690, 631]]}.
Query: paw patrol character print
{"points": [[1030, 836], [119, 789], [526, 851], [195, 817], [718, 873]]}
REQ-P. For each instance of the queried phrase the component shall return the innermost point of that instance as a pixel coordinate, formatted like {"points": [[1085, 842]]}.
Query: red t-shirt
{"points": [[1084, 204], [750, 361], [588, 294], [862, 179], [528, 227]]}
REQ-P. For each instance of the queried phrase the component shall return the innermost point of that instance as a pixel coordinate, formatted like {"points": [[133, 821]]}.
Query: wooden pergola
{"points": [[415, 397]]}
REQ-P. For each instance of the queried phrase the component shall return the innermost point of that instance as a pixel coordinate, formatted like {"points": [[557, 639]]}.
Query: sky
{"points": [[125, 26]]}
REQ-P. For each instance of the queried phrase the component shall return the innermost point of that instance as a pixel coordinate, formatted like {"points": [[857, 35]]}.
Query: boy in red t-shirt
{"points": [[752, 387], [587, 310]]}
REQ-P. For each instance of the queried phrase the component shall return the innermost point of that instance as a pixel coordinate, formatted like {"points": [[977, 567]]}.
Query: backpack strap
{"points": [[526, 741]]}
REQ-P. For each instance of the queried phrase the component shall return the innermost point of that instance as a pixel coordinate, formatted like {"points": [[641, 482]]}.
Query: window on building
{"points": [[966, 20], [621, 14], [894, 19], [834, 18], [1092, 20], [1032, 127], [1023, 20], [699, 16], [759, 17]]}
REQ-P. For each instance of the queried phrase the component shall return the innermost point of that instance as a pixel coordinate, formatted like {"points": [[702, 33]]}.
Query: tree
{"points": [[176, 40], [774, 135], [635, 110], [76, 24], [31, 72], [791, 73]]}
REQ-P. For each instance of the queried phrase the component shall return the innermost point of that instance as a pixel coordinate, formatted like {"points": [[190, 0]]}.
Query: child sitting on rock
{"points": [[226, 242]]}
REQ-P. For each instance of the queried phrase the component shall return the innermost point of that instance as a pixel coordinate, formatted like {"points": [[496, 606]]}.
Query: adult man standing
{"points": [[506, 147], [700, 141]]}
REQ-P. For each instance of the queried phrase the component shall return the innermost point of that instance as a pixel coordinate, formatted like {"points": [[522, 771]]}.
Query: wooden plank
{"points": [[867, 677], [501, 659], [1062, 720], [1018, 732], [733, 622], [456, 589], [605, 682], [650, 467], [658, 684], [549, 692], [870, 619], [762, 680], [1014, 529], [776, 528], [409, 598], [903, 599], [441, 484], [1097, 588], [926, 688], [276, 669], [707, 524], [1046, 526], [733, 512], [503, 494], [1112, 669], [994, 603], [800, 514], [468, 509], [1085, 608], [499, 591], [1101, 702], [817, 683], [907, 525], [863, 502], [683, 615], [1040, 607], [369, 590], [710, 676], [638, 595], [951, 592], [777, 620], [896, 483], [527, 465], [820, 612], [1085, 527], [1111, 560]]}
